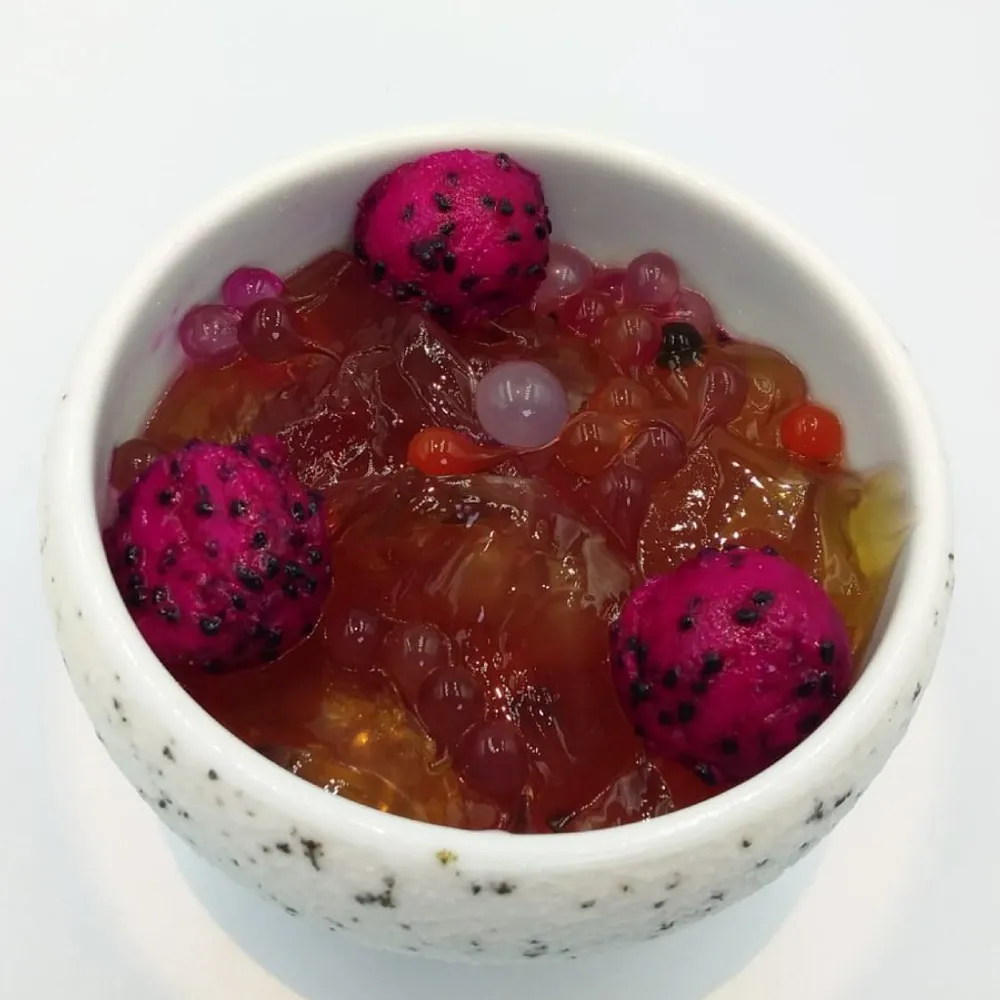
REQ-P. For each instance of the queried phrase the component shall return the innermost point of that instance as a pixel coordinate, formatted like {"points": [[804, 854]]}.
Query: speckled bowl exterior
{"points": [[407, 886]]}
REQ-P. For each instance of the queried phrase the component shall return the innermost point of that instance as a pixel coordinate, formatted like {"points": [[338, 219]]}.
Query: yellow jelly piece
{"points": [[373, 751], [878, 524]]}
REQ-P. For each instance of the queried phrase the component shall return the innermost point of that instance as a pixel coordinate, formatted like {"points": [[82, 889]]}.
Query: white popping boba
{"points": [[521, 404]]}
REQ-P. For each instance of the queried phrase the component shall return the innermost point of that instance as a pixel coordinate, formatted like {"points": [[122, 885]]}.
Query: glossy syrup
{"points": [[460, 673]]}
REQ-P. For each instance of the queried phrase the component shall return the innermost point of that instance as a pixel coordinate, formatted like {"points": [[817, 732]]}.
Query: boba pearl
{"points": [[247, 285], [521, 404], [611, 282], [691, 308], [651, 279], [620, 496], [269, 332], [631, 338], [130, 459], [657, 451], [722, 394], [449, 702], [622, 397], [589, 442], [585, 313], [209, 334], [442, 451], [411, 654], [493, 759], [567, 272], [354, 638]]}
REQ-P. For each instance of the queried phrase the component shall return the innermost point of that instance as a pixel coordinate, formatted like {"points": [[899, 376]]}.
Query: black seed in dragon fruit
{"points": [[465, 232], [729, 662], [221, 555]]}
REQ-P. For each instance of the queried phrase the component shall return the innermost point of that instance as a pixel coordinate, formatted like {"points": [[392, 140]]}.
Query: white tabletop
{"points": [[869, 124]]}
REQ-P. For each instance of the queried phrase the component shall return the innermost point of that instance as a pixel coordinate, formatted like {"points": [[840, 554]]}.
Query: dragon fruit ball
{"points": [[729, 662], [221, 555], [465, 232]]}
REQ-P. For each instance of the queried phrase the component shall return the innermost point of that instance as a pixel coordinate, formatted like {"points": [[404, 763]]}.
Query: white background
{"points": [[869, 124]]}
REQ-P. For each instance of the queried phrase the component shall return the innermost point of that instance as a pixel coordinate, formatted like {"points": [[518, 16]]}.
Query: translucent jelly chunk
{"points": [[861, 524], [344, 729], [767, 493], [774, 386], [459, 672], [675, 525], [338, 308], [726, 492], [641, 791], [521, 404], [276, 704], [489, 577], [523, 590], [823, 549], [362, 420], [373, 751], [331, 271], [295, 397], [226, 404], [449, 552]]}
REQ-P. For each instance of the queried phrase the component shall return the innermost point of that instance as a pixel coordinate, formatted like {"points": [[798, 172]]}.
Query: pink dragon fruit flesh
{"points": [[729, 662], [221, 555], [465, 232]]}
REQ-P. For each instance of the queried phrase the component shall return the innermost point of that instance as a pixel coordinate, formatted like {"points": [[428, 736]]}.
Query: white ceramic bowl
{"points": [[404, 885]]}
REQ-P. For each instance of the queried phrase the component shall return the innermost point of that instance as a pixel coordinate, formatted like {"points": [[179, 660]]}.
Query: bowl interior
{"points": [[611, 205]]}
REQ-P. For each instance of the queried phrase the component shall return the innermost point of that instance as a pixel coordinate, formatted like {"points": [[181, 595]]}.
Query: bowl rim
{"points": [[69, 488]]}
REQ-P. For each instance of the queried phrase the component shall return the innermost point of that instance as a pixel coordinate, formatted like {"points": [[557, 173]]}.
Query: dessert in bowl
{"points": [[495, 544]]}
